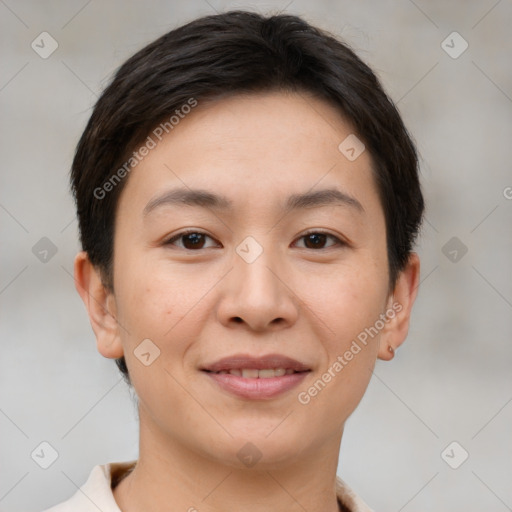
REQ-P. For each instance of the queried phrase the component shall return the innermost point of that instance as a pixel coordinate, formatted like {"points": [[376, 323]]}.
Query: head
{"points": [[266, 117]]}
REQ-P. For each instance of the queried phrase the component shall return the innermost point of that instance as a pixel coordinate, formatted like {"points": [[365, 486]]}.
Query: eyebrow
{"points": [[205, 199]]}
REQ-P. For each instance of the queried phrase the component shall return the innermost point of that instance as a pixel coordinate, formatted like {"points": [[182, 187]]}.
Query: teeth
{"points": [[250, 373]]}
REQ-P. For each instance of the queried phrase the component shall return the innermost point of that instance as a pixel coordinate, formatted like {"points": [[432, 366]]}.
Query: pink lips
{"points": [[255, 387]]}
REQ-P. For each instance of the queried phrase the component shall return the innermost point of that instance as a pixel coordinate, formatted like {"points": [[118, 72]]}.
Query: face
{"points": [[267, 262]]}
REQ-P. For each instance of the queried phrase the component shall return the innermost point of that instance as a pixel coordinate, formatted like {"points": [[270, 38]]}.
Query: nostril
{"points": [[237, 319]]}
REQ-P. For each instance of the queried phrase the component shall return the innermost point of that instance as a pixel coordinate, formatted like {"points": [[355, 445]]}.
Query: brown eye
{"points": [[317, 240], [190, 240]]}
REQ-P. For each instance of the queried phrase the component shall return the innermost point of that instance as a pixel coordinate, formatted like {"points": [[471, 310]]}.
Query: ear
{"points": [[399, 307], [101, 307]]}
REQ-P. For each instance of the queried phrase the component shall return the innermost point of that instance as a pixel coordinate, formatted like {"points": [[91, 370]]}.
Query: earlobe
{"points": [[399, 309], [101, 307]]}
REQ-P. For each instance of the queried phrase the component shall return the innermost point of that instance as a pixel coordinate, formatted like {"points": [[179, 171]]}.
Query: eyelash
{"points": [[339, 242]]}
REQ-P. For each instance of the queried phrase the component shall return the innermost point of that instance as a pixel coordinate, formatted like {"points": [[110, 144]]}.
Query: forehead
{"points": [[254, 148]]}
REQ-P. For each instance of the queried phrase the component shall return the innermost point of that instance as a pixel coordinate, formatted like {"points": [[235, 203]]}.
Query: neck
{"points": [[170, 476]]}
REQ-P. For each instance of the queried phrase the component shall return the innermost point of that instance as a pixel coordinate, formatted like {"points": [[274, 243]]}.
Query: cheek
{"points": [[358, 308], [350, 308], [148, 294], [348, 299], [151, 310], [162, 304], [355, 303], [146, 306]]}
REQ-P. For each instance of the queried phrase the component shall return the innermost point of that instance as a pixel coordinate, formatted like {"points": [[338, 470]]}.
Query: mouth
{"points": [[254, 373], [256, 378], [247, 363]]}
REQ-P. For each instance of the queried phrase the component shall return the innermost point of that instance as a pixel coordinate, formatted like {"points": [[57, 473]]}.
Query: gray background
{"points": [[451, 380]]}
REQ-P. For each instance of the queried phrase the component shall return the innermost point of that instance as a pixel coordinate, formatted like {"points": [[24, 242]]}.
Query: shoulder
{"points": [[96, 492], [349, 498]]}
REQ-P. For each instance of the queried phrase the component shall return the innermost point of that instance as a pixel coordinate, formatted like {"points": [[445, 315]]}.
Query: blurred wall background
{"points": [[449, 383]]}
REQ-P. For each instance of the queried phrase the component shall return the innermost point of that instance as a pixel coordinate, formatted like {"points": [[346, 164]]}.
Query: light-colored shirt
{"points": [[96, 493]]}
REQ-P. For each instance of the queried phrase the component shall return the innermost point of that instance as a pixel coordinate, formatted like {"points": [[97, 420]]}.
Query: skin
{"points": [[198, 305]]}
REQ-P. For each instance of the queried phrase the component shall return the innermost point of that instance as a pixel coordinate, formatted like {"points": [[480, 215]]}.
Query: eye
{"points": [[191, 240], [195, 240], [317, 240]]}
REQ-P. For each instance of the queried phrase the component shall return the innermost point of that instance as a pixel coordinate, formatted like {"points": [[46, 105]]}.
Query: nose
{"points": [[257, 295]]}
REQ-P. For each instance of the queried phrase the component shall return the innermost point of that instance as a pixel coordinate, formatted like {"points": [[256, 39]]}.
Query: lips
{"points": [[256, 378], [253, 373], [243, 362]]}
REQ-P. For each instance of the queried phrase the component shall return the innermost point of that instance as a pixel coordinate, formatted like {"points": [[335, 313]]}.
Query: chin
{"points": [[262, 449]]}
